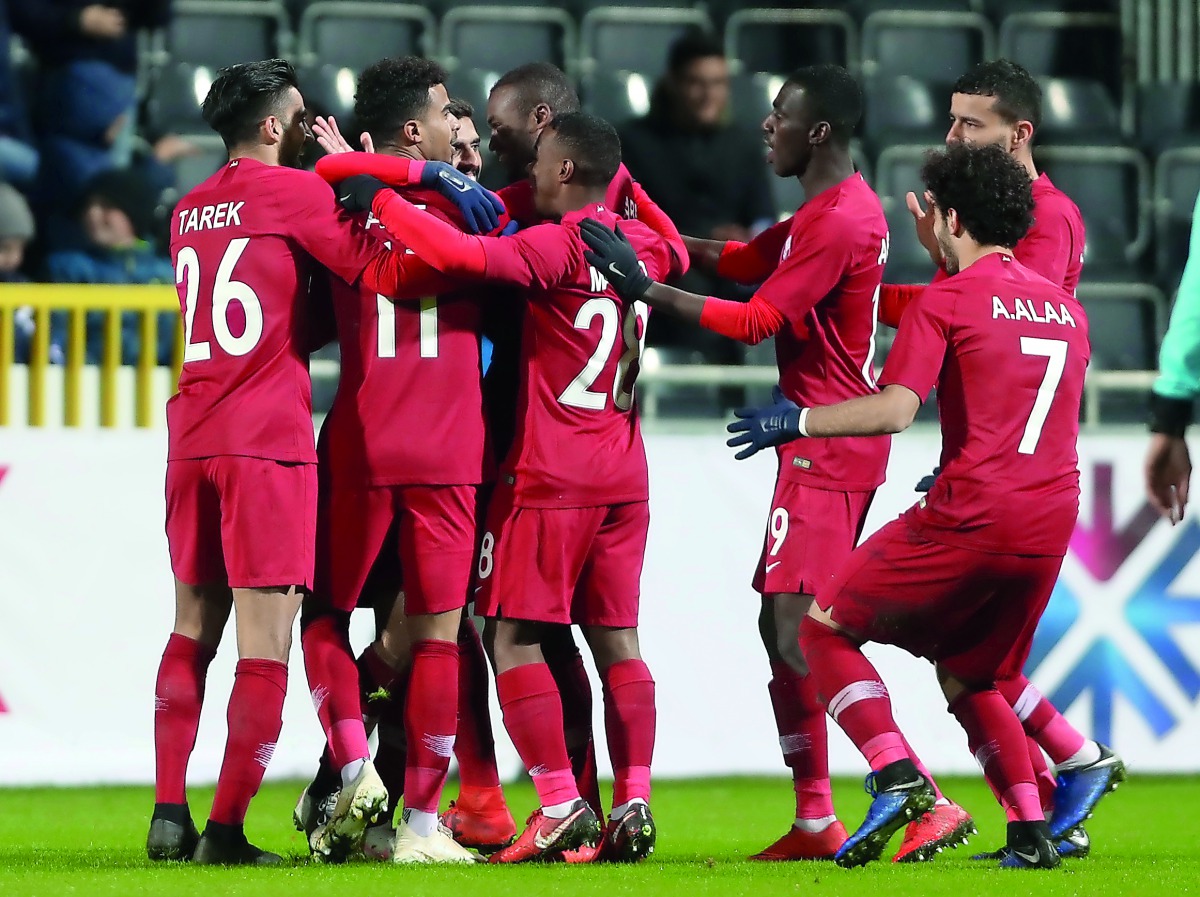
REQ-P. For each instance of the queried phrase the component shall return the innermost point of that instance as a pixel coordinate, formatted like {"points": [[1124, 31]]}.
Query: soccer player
{"points": [[466, 157], [822, 269], [1000, 103], [241, 478], [567, 528], [962, 577]]}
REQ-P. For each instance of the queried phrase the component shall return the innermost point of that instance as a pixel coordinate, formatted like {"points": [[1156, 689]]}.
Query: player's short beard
{"points": [[949, 256]]}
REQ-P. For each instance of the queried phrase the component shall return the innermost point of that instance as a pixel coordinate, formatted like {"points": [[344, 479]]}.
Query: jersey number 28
{"points": [[579, 392]]}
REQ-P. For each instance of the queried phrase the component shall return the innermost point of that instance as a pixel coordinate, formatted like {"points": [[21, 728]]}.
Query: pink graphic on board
{"points": [[1101, 548]]}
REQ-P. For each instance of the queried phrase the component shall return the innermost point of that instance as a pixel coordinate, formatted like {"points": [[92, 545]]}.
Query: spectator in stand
{"points": [[87, 54], [709, 176], [118, 218], [18, 157], [16, 231]]}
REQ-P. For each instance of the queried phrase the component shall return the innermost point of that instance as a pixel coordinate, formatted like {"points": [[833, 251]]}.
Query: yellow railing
{"points": [[77, 300]]}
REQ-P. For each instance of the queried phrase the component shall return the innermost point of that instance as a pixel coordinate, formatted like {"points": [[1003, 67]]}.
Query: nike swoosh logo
{"points": [[345, 198], [457, 183], [771, 567], [1027, 857], [612, 266]]}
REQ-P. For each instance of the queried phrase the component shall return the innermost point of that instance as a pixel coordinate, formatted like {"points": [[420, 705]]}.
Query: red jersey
{"points": [[245, 244], [827, 289], [578, 442], [1007, 350], [409, 405], [518, 198]]}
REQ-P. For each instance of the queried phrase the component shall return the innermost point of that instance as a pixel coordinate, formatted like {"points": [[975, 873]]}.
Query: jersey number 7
{"points": [[1055, 353]]}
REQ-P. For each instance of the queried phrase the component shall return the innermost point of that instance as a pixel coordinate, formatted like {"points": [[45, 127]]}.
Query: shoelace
{"points": [[869, 785]]}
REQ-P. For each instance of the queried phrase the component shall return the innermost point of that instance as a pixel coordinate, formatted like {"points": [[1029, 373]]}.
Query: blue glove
{"points": [[760, 428], [480, 206], [509, 229], [614, 256], [926, 482]]}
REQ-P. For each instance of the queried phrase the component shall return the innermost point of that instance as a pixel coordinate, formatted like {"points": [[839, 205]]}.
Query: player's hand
{"points": [[926, 482], [480, 206], [923, 220], [760, 428], [509, 229], [329, 137], [102, 21], [1168, 475], [357, 193], [614, 257]]}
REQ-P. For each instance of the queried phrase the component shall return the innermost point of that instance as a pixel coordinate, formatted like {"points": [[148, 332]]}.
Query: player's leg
{"points": [[193, 527], [575, 690]]}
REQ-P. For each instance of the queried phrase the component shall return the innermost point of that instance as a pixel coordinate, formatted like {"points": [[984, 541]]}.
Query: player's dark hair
{"points": [[592, 144], [243, 95], [1018, 96], [834, 97], [393, 91], [693, 45], [461, 108], [540, 82], [989, 189]]}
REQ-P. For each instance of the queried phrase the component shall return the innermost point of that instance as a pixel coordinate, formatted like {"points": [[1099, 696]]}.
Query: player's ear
{"points": [[566, 171], [953, 224], [1023, 134], [542, 115], [820, 133], [411, 131]]}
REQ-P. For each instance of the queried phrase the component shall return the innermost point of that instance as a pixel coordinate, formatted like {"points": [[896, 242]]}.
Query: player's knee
{"points": [[766, 630], [610, 646]]}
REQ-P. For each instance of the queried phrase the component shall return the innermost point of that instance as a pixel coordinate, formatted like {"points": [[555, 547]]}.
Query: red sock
{"points": [[854, 693], [995, 737], [430, 721], [474, 748], [533, 717], [376, 683], [178, 696], [629, 720], [255, 718], [391, 756], [1041, 720], [803, 738], [332, 680], [575, 691]]}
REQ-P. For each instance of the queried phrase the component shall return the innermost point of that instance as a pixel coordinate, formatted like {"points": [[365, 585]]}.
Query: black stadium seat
{"points": [[329, 90], [634, 39], [901, 109], [930, 46], [1176, 185], [1168, 115], [618, 96], [174, 99], [353, 34], [503, 37], [1078, 110], [217, 33], [1064, 45], [782, 40]]}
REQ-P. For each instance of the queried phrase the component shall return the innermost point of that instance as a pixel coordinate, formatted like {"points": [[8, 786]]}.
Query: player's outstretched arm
{"points": [[613, 255], [480, 207], [651, 215]]}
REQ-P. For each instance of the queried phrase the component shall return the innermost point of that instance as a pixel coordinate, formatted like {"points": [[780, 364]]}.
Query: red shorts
{"points": [[810, 533], [973, 612], [243, 522], [430, 530], [563, 565]]}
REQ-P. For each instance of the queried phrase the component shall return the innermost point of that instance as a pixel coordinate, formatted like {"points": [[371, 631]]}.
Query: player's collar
{"points": [[595, 210]]}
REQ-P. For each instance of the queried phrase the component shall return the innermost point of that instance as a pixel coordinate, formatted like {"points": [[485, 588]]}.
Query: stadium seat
{"points": [[474, 85], [751, 97], [1176, 185], [898, 171], [329, 90], [1111, 186], [782, 40], [930, 46], [634, 39], [900, 109], [216, 33], [908, 261], [353, 34], [1168, 114], [861, 9], [1066, 45], [503, 37], [191, 170], [174, 99], [1125, 322], [617, 96], [1078, 110]]}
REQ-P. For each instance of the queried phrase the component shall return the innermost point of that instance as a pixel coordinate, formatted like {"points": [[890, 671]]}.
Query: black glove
{"points": [[357, 192], [614, 257], [926, 482]]}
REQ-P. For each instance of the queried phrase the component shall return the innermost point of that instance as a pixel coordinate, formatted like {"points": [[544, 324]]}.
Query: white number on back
{"points": [[226, 290], [778, 529], [385, 341], [579, 392], [1055, 353]]}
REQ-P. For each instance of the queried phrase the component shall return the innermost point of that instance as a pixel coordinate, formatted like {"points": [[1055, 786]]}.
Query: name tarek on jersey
{"points": [[223, 214], [1026, 310]]}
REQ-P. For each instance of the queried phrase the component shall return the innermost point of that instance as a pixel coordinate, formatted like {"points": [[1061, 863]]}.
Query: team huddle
{"points": [[517, 480]]}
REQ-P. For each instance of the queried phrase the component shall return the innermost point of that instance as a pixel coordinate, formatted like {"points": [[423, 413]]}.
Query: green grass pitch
{"points": [[88, 841]]}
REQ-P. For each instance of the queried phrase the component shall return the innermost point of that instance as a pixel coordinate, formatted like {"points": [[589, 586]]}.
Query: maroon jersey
{"points": [[578, 441], [409, 406], [1007, 350], [827, 289], [518, 198], [246, 243]]}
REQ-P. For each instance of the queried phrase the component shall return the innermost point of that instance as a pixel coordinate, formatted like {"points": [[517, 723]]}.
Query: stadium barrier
{"points": [[84, 574]]}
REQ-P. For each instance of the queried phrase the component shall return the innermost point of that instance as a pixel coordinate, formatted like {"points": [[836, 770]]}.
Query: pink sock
{"points": [[803, 738], [474, 748], [333, 682], [1041, 719], [629, 721], [855, 695], [995, 737], [533, 717], [255, 718], [178, 696], [430, 722]]}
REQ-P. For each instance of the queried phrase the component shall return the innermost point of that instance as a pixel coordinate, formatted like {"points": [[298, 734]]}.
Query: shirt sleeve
{"points": [[395, 171], [817, 262], [1179, 357], [753, 262], [326, 232], [919, 350], [894, 300], [747, 322], [649, 213], [1048, 248], [538, 257]]}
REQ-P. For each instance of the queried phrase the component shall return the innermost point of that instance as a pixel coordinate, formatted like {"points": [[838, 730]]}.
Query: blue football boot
{"points": [[1080, 789], [901, 794]]}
